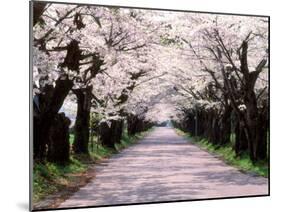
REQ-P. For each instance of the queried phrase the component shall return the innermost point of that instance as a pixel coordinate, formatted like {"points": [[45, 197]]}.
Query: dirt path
{"points": [[164, 167]]}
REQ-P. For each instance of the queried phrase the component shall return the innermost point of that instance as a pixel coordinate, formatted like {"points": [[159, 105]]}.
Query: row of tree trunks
{"points": [[208, 123], [249, 127], [136, 124], [110, 133], [251, 120]]}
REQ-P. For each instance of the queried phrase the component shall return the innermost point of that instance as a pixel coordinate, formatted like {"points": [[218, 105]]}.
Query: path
{"points": [[164, 167]]}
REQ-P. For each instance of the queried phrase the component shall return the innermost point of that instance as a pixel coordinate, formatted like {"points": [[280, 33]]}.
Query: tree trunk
{"points": [[38, 9], [48, 104], [208, 124], [254, 132], [225, 126], [117, 129], [261, 148], [112, 134], [262, 137], [252, 123], [58, 147], [51, 99], [241, 144], [214, 139], [191, 124], [82, 124], [132, 124], [105, 135]]}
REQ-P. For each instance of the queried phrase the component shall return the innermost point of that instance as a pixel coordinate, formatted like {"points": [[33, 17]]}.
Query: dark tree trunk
{"points": [[137, 125], [48, 104], [132, 124], [214, 138], [257, 123], [190, 124], [225, 126], [252, 124], [58, 147], [82, 124], [208, 125], [253, 129], [256, 126], [110, 135], [261, 149], [200, 122], [105, 135], [241, 144], [117, 129], [257, 139], [51, 99], [262, 137], [38, 9]]}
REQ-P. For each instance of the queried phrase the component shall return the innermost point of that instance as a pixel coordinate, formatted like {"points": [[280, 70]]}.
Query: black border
{"points": [[31, 104], [149, 203]]}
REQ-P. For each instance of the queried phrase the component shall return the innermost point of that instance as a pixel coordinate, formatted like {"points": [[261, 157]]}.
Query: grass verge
{"points": [[50, 178], [227, 154]]}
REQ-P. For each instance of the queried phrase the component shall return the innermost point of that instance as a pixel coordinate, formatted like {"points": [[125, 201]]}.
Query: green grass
{"points": [[98, 152], [49, 178], [227, 154]]}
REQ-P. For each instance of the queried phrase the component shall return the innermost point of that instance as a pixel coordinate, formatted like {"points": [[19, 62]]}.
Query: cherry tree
{"points": [[66, 39], [232, 50]]}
